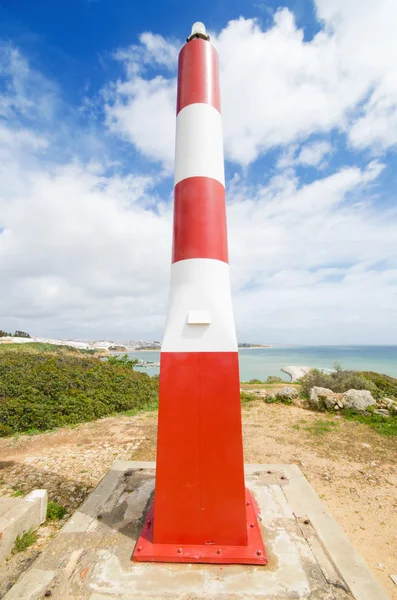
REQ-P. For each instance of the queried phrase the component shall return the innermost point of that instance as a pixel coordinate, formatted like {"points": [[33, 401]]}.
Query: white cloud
{"points": [[86, 254], [310, 264], [277, 88], [376, 128], [19, 98], [313, 154], [158, 50], [143, 112], [85, 250]]}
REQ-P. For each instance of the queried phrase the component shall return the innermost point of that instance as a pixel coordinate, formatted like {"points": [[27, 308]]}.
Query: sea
{"points": [[259, 363]]}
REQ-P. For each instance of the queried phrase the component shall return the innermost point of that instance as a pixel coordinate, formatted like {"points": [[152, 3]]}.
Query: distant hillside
{"points": [[245, 345]]}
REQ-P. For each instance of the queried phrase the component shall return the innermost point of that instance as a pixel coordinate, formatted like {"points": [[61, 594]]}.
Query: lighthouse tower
{"points": [[202, 511]]}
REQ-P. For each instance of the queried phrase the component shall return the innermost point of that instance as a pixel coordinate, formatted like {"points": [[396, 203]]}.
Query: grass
{"points": [[246, 385], [55, 511], [17, 493], [321, 427], [151, 405], [246, 397], [32, 431], [24, 541], [383, 425]]}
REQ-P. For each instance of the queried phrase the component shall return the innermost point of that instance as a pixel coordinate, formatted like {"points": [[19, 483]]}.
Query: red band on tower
{"points": [[198, 80], [199, 220], [209, 503]]}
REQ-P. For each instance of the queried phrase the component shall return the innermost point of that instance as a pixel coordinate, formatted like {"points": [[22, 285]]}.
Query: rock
{"points": [[390, 404], [358, 399], [383, 412], [287, 393], [320, 397]]}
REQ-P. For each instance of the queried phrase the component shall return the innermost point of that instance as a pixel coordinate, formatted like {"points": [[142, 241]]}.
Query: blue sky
{"points": [[309, 103]]}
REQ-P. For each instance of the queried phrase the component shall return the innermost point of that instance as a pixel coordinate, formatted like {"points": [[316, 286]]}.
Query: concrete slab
{"points": [[18, 515], [309, 555]]}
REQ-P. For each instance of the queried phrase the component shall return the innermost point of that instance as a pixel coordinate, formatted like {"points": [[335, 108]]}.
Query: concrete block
{"points": [[19, 515], [42, 497], [31, 586]]}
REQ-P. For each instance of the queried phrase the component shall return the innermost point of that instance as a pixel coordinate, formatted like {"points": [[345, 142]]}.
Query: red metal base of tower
{"points": [[251, 554]]}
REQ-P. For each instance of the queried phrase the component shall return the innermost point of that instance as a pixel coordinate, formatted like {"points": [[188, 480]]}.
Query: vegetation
{"points": [[42, 346], [55, 511], [384, 425], [378, 384], [271, 379], [321, 427], [18, 333], [44, 389], [385, 385], [154, 347], [247, 397], [277, 399], [123, 361], [337, 381], [24, 541], [274, 379]]}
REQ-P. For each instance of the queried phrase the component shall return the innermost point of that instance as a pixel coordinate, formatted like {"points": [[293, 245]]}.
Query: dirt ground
{"points": [[352, 468]]}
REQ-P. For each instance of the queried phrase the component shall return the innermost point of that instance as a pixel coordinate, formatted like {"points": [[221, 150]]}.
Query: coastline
{"points": [[252, 347], [141, 350], [295, 372]]}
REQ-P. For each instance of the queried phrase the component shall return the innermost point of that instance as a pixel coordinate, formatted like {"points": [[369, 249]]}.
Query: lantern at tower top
{"points": [[198, 30]]}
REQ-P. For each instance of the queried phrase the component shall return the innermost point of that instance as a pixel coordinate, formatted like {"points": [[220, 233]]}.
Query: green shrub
{"points": [[123, 361], [386, 385], [276, 399], [43, 390], [5, 430], [255, 381], [274, 379], [271, 399], [55, 511], [337, 381], [245, 397]]}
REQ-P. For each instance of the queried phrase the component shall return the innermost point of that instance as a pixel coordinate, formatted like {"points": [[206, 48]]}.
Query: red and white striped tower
{"points": [[202, 512]]}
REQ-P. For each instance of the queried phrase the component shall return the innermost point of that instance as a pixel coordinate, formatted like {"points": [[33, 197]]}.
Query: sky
{"points": [[87, 119]]}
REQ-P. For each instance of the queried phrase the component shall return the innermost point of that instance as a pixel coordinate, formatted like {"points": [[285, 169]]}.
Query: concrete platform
{"points": [[18, 515], [310, 557]]}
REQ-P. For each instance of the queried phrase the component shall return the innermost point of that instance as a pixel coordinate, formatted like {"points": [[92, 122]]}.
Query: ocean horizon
{"points": [[259, 363]]}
